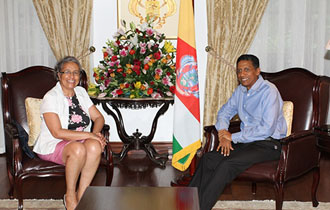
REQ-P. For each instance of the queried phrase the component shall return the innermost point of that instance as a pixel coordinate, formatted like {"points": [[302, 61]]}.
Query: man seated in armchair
{"points": [[258, 104]]}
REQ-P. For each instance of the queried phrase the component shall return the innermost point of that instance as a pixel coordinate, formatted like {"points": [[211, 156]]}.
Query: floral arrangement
{"points": [[139, 63]]}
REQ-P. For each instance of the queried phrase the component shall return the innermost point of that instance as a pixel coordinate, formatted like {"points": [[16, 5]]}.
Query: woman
{"points": [[65, 136]]}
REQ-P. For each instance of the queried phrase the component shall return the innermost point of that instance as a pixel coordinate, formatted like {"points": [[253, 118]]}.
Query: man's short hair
{"points": [[249, 57]]}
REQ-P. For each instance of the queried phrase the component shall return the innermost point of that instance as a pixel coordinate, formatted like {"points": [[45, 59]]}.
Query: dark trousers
{"points": [[215, 171]]}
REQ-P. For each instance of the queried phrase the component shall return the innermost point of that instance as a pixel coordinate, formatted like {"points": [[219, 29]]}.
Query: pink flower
{"points": [[76, 118], [123, 52], [80, 128], [101, 95], [168, 93], [158, 71], [146, 60], [150, 32], [155, 95], [114, 93], [165, 81], [143, 50], [142, 45], [109, 51]]}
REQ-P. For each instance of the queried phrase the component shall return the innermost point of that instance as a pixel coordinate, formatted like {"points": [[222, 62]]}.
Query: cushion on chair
{"points": [[23, 140], [288, 115], [32, 106], [261, 172]]}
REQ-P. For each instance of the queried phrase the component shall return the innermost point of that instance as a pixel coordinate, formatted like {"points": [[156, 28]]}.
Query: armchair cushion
{"points": [[23, 140], [32, 106], [288, 115]]}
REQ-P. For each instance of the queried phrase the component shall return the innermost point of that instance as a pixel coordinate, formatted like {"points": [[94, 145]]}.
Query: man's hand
{"points": [[224, 142]]}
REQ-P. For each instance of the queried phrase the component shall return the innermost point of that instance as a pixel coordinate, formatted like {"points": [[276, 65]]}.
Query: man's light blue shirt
{"points": [[260, 112]]}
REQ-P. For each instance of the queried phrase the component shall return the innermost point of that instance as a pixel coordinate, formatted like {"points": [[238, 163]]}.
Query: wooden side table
{"points": [[323, 138], [136, 141]]}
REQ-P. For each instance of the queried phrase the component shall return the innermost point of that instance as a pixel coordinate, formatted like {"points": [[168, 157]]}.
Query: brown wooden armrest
{"points": [[13, 147], [299, 145], [211, 138], [296, 136]]}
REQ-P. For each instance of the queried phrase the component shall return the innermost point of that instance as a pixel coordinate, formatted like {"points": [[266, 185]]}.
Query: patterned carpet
{"points": [[267, 205], [7, 204], [221, 205]]}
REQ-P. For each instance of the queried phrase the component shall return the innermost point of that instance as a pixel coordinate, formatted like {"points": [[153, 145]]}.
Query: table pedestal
{"points": [[136, 141]]}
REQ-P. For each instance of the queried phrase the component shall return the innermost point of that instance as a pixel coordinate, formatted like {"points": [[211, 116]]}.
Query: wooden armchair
{"points": [[32, 82], [310, 95]]}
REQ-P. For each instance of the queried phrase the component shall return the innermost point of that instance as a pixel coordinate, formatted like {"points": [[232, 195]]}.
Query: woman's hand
{"points": [[224, 142], [100, 138]]}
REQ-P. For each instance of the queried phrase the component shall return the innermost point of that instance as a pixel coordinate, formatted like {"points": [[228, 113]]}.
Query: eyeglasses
{"points": [[67, 73]]}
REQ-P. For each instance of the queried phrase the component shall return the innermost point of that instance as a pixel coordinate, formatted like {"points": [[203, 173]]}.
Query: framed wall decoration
{"points": [[165, 14]]}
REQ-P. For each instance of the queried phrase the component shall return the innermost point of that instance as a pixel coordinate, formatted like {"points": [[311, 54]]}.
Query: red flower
{"points": [[105, 54], [168, 73], [119, 91], [102, 78], [124, 75], [152, 83], [131, 52], [138, 72], [172, 89], [149, 91], [114, 58], [126, 85], [136, 67], [118, 42], [94, 75], [106, 82], [137, 62], [157, 55], [119, 70], [146, 66]]}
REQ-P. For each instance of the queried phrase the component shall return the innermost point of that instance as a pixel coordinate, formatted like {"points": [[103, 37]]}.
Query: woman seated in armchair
{"points": [[65, 136]]}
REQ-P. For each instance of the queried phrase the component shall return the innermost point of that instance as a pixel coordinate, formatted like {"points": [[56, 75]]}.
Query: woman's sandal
{"points": [[64, 202]]}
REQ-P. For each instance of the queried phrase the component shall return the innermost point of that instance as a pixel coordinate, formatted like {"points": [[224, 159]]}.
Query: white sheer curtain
{"points": [[22, 40], [294, 33]]}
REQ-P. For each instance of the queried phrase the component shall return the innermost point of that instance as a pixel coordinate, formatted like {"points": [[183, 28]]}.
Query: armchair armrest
{"points": [[107, 150], [107, 159], [211, 135], [13, 148], [299, 145], [211, 139]]}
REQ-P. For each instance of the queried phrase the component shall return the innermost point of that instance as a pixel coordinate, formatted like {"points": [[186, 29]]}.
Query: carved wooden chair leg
{"points": [[316, 180], [279, 195], [19, 191], [109, 171], [12, 184], [254, 188]]}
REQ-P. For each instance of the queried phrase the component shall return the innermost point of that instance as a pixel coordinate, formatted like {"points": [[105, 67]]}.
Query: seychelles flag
{"points": [[186, 131]]}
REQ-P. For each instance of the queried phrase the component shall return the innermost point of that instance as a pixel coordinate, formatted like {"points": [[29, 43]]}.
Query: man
{"points": [[259, 106]]}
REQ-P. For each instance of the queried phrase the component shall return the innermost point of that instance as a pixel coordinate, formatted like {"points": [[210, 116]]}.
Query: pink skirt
{"points": [[56, 156]]}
